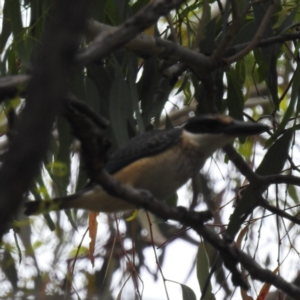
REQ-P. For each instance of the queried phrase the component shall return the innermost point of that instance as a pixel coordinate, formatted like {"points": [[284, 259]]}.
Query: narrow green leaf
{"points": [[235, 98], [91, 95], [293, 193], [276, 156], [203, 272], [132, 72], [245, 34], [182, 87], [70, 218], [119, 104], [291, 108], [208, 44], [49, 222], [60, 168], [189, 9], [18, 247], [17, 29], [6, 26], [288, 21], [9, 268], [12, 61], [187, 292], [137, 5], [272, 163]]}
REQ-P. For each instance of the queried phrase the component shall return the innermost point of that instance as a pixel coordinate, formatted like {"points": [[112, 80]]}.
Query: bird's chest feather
{"points": [[164, 173]]}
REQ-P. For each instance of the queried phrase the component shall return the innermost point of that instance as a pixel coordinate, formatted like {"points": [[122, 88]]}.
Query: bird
{"points": [[159, 161]]}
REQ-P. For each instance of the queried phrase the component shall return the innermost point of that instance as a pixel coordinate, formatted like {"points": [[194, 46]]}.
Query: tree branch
{"points": [[109, 41], [253, 44], [231, 255], [47, 87]]}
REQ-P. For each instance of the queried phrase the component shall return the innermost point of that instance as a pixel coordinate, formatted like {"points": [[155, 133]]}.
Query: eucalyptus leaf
{"points": [[6, 25], [291, 108], [203, 272], [235, 98], [187, 293], [119, 104], [272, 163]]}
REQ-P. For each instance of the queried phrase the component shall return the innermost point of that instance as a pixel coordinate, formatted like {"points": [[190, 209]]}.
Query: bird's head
{"points": [[217, 124], [215, 131]]}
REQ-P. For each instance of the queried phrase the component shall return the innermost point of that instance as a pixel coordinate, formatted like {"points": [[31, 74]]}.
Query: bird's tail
{"points": [[43, 206]]}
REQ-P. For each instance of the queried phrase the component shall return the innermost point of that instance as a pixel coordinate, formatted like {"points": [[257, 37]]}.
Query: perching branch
{"points": [[231, 254]]}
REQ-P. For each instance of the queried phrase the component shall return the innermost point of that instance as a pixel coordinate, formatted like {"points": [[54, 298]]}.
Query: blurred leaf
{"points": [[6, 25], [187, 292], [293, 193], [208, 43], [203, 272], [265, 288], [139, 4], [272, 163], [93, 226], [102, 76], [97, 9], [112, 13], [287, 21], [245, 34], [120, 293], [71, 219], [271, 77], [49, 222], [291, 108], [188, 96], [12, 61], [77, 84], [235, 98], [259, 12], [244, 295], [17, 29], [241, 70], [183, 84], [169, 124], [57, 168], [241, 236], [269, 54], [146, 88], [36, 245], [132, 74], [82, 251], [9, 268], [18, 246], [119, 101], [173, 200], [274, 160], [132, 216], [92, 95], [189, 9]]}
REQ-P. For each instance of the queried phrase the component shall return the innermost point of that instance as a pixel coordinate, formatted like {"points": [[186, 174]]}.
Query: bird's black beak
{"points": [[239, 128], [217, 124]]}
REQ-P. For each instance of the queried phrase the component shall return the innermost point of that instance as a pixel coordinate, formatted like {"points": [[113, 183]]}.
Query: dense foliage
{"points": [[144, 65]]}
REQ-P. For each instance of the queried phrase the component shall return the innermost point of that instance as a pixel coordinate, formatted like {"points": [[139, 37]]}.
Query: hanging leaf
{"points": [[187, 293], [235, 98], [203, 272], [93, 226], [119, 101], [272, 163]]}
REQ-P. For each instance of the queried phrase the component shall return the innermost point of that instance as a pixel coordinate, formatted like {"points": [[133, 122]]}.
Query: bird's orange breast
{"points": [[164, 173]]}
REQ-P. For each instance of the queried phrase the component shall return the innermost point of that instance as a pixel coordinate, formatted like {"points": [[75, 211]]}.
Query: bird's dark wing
{"points": [[143, 145]]}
